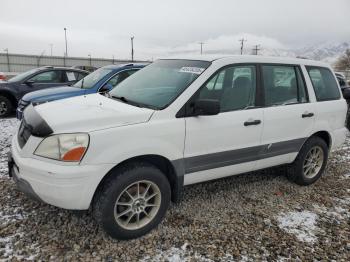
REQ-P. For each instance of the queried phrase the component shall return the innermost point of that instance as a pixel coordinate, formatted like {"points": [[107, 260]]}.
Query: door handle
{"points": [[252, 123], [307, 115]]}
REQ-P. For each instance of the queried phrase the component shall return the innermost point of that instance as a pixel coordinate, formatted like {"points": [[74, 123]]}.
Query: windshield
{"points": [[90, 80], [22, 76], [160, 83]]}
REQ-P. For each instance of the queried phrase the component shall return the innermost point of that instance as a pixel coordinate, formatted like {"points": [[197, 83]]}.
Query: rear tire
{"points": [[5, 106], [121, 207], [310, 163]]}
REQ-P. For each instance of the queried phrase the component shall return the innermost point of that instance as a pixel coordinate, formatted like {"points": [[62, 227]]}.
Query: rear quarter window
{"points": [[324, 83]]}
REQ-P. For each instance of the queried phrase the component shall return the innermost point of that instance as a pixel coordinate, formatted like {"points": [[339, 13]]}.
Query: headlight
{"points": [[64, 147]]}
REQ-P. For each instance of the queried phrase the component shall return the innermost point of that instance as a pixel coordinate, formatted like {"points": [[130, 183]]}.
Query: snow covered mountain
{"points": [[328, 52]]}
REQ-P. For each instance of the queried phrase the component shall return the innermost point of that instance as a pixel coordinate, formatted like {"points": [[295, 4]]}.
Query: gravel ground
{"points": [[259, 216]]}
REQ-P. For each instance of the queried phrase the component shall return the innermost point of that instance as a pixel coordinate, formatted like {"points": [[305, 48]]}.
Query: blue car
{"points": [[102, 80]]}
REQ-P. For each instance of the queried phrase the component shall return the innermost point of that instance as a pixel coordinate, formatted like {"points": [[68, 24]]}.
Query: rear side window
{"points": [[324, 83], [283, 85]]}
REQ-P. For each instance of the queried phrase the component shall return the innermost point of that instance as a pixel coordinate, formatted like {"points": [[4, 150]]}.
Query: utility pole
{"points": [[256, 49], [132, 48], [113, 60], [51, 46], [201, 43], [8, 59], [39, 58], [65, 37], [89, 55], [242, 44]]}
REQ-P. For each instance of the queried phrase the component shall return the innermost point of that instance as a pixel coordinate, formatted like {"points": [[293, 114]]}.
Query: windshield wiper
{"points": [[82, 83], [121, 98]]}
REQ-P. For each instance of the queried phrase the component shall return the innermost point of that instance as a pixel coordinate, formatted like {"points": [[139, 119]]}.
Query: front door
{"points": [[227, 143], [51, 78]]}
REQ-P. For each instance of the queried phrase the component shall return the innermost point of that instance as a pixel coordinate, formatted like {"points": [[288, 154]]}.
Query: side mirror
{"points": [[29, 82], [206, 107], [346, 93], [106, 88]]}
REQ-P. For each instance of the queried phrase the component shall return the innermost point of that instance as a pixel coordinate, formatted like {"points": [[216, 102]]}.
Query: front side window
{"points": [[160, 83], [92, 79], [283, 85], [324, 83], [48, 77], [118, 78], [234, 87]]}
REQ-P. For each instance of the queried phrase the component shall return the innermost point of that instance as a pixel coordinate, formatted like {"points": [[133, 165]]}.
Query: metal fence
{"points": [[21, 63]]}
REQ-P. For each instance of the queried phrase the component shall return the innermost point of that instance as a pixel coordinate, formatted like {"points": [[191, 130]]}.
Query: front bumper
{"points": [[65, 186]]}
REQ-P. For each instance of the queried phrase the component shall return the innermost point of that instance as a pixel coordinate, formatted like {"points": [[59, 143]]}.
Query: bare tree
{"points": [[343, 62]]}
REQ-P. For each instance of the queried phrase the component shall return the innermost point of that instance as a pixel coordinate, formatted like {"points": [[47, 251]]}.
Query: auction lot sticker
{"points": [[192, 70]]}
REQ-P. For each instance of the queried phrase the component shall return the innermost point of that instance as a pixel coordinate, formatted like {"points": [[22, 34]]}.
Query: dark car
{"points": [[101, 80], [86, 68], [14, 89]]}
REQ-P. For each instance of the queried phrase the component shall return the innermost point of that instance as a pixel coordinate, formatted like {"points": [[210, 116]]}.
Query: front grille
{"points": [[23, 134], [23, 104]]}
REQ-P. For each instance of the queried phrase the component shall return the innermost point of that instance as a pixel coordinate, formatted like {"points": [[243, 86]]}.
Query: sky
{"points": [[162, 27]]}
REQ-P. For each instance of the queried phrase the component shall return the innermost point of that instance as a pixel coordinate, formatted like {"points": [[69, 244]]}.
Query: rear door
{"points": [[227, 143], [330, 107], [288, 114]]}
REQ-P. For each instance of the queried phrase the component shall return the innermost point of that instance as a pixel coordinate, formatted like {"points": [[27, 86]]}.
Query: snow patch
{"points": [[301, 224], [176, 255]]}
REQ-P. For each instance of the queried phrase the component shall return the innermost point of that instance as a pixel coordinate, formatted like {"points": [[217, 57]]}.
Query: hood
{"points": [[54, 93], [90, 113]]}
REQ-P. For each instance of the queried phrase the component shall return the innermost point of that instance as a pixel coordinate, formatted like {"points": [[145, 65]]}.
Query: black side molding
{"points": [[37, 125]]}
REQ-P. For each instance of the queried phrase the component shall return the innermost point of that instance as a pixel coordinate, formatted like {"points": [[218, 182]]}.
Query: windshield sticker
{"points": [[192, 70]]}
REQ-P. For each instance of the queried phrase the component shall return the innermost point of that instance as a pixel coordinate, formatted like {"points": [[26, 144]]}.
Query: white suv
{"points": [[177, 122]]}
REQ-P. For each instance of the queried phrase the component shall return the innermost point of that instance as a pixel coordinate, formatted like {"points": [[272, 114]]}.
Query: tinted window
{"points": [[283, 85], [118, 78], [324, 83], [234, 87], [159, 83], [48, 77]]}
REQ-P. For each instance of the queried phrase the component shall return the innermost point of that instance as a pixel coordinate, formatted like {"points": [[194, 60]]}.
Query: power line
{"points": [[256, 49], [201, 43], [242, 44]]}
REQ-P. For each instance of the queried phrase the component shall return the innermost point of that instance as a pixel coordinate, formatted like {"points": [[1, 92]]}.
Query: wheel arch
{"points": [[173, 170], [326, 136]]}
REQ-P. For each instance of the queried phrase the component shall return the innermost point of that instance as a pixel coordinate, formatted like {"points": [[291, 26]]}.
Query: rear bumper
{"points": [[65, 186], [338, 137]]}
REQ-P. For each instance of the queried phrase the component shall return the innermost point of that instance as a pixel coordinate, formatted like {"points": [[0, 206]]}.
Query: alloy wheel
{"points": [[137, 205], [313, 162]]}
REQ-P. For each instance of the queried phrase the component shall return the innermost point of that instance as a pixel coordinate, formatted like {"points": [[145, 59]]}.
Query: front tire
{"points": [[5, 106], [132, 201], [310, 163]]}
